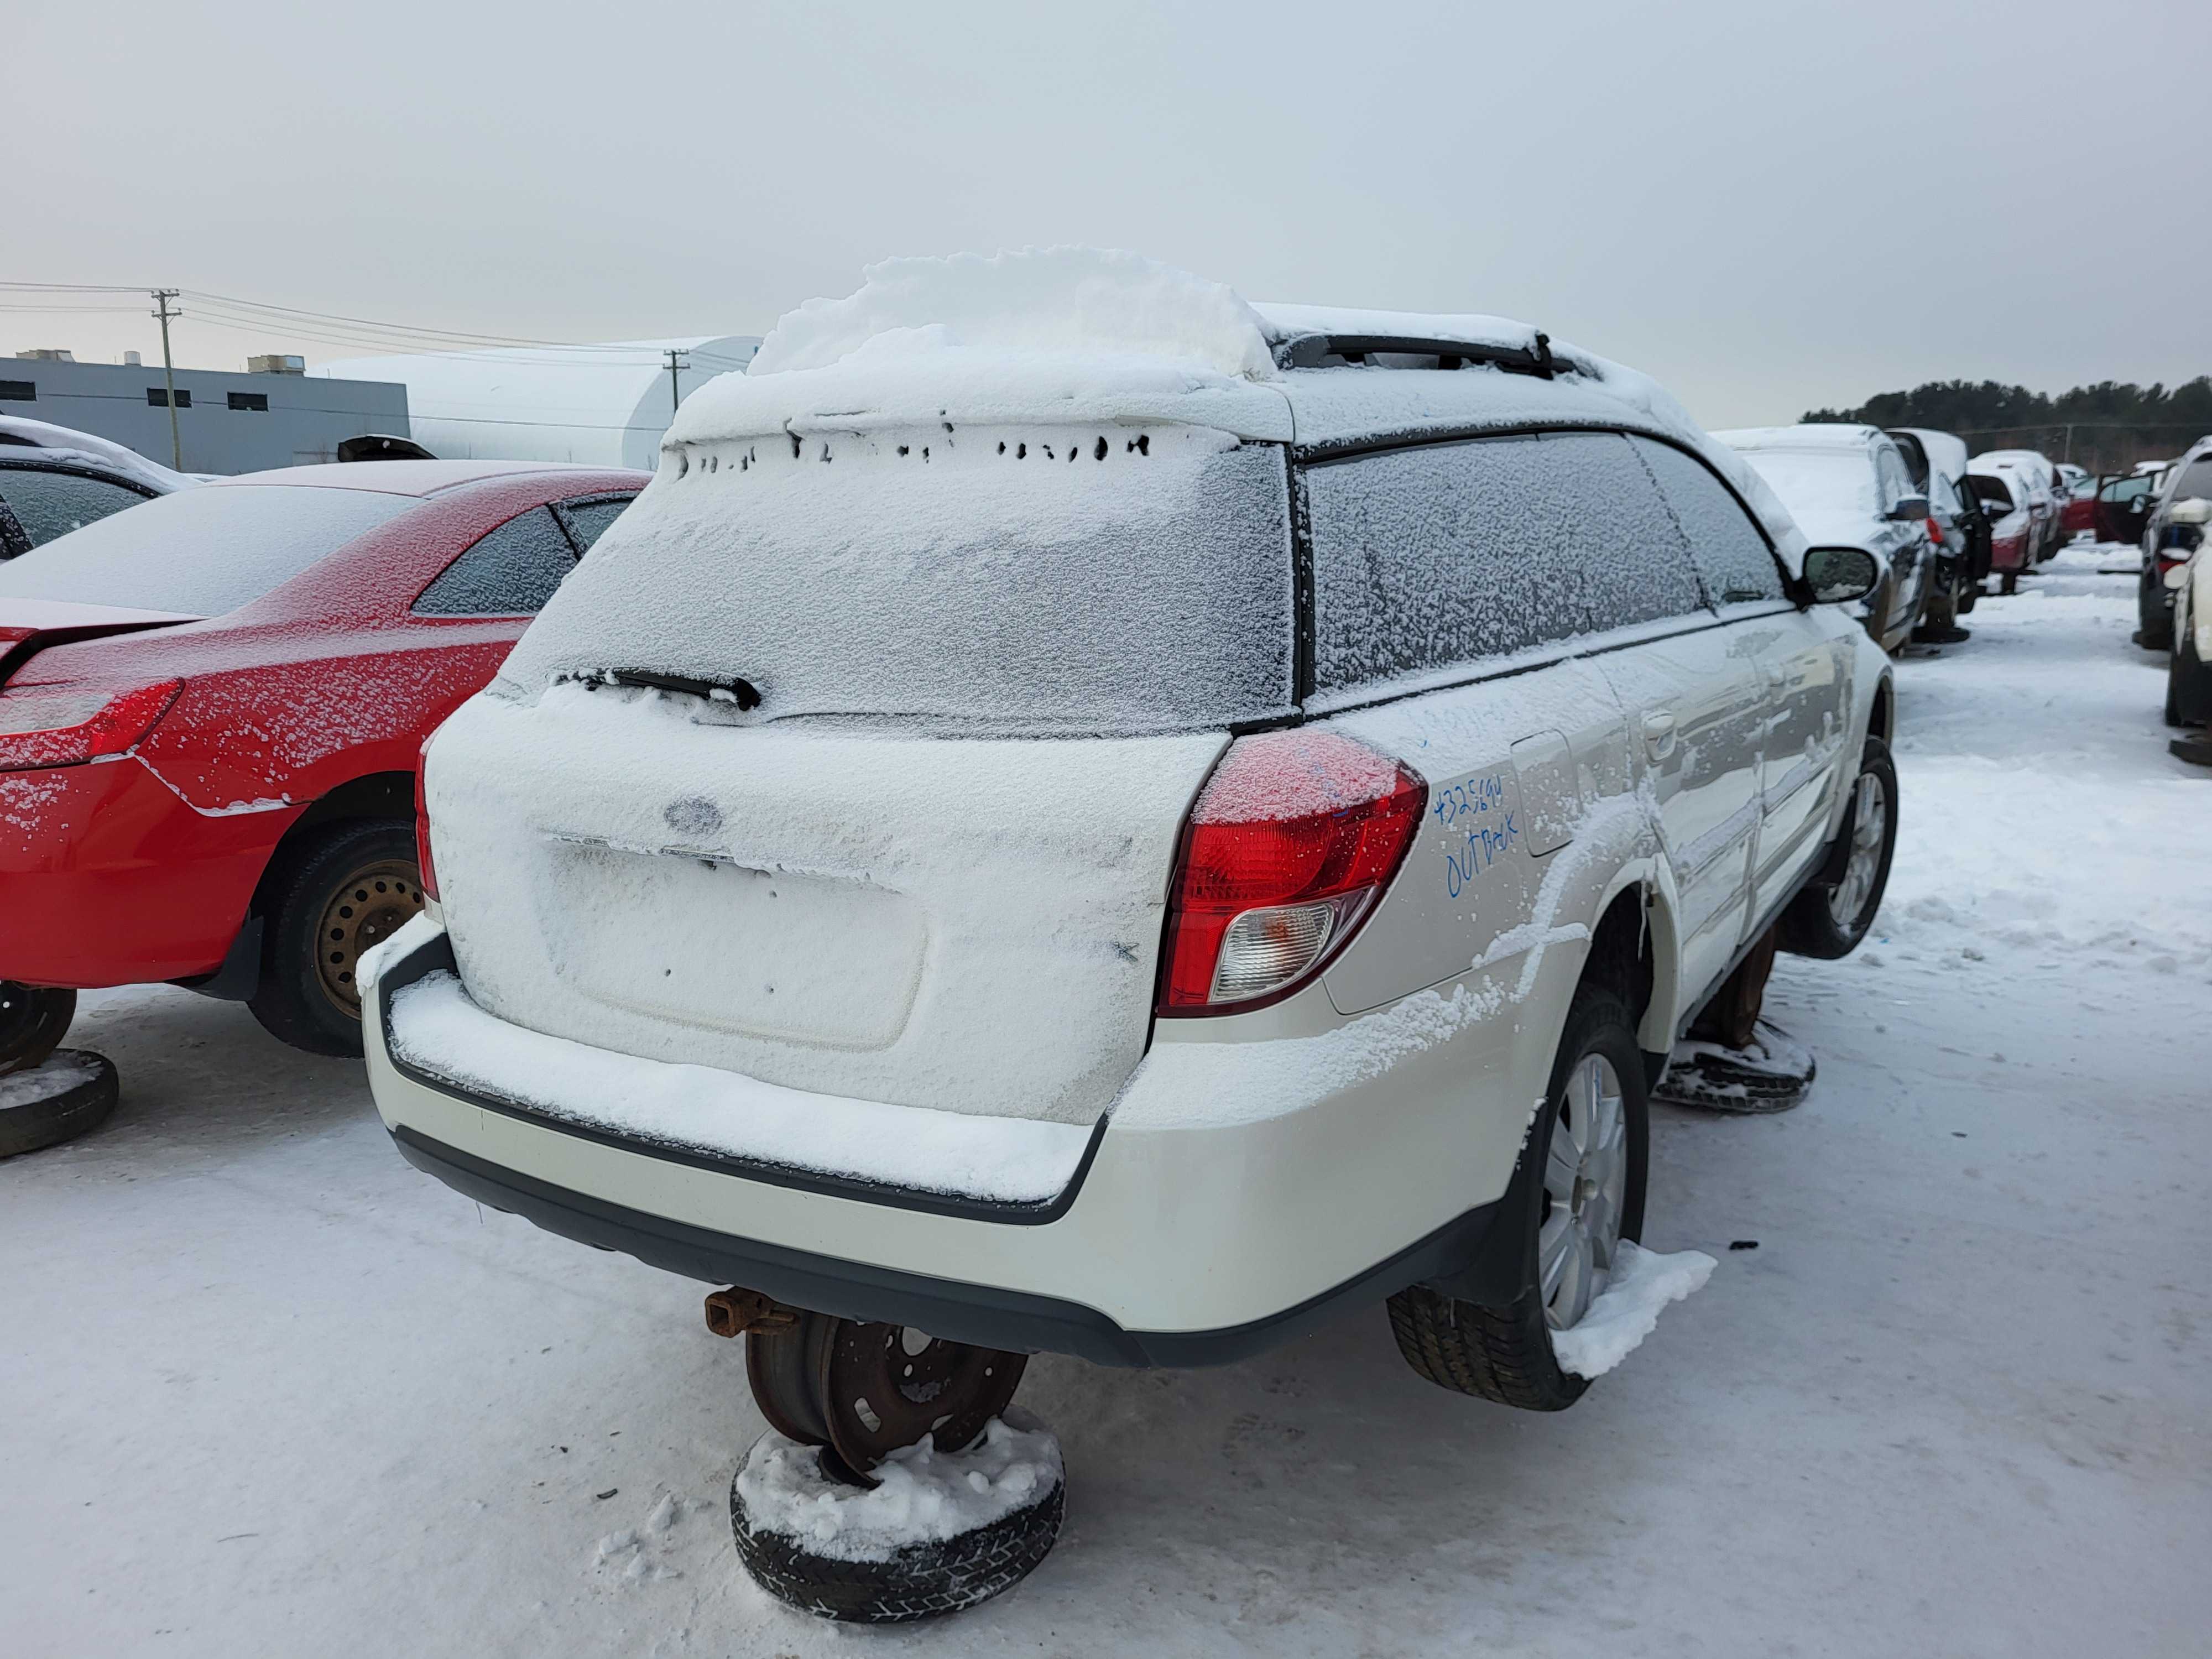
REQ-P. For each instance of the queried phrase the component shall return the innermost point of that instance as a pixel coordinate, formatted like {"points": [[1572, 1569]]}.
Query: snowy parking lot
{"points": [[274, 1392]]}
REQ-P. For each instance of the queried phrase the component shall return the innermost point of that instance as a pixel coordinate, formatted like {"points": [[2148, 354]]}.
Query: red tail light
{"points": [[1934, 530], [68, 727], [428, 874], [1293, 841]]}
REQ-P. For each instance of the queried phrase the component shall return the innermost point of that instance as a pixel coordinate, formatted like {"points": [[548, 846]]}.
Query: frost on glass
{"points": [[1046, 580], [199, 552], [1427, 557], [1729, 551], [511, 571]]}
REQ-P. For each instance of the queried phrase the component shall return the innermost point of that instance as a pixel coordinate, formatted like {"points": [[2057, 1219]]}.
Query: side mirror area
{"points": [[1909, 507], [1839, 575]]}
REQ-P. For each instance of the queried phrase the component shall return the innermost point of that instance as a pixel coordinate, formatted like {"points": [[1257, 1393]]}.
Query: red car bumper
{"points": [[2010, 553], [107, 877]]}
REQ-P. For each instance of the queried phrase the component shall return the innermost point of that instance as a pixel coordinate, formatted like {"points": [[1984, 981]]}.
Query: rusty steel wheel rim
{"points": [[886, 1386], [366, 908]]}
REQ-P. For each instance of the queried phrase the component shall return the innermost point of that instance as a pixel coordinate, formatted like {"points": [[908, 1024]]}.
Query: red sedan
{"points": [[210, 708]]}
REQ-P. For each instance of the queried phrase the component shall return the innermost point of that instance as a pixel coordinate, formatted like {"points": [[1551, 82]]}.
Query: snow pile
{"points": [[1627, 1310], [1041, 336], [60, 1074], [923, 1496], [1826, 481], [1037, 300], [437, 1027]]}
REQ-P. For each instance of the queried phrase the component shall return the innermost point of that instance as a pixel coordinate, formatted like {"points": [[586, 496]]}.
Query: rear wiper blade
{"points": [[740, 692]]}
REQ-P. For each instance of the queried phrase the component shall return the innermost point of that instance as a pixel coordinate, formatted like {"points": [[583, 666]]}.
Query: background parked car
{"points": [[2189, 667], [2038, 485], [1957, 525], [2003, 498], [2167, 544], [263, 657], [1848, 486], [54, 480]]}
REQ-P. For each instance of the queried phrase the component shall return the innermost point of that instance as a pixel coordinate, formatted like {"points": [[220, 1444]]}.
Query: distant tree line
{"points": [[2107, 427]]}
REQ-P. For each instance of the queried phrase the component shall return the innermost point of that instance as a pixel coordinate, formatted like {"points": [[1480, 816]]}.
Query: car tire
{"points": [[2188, 685], [1833, 911], [922, 1581], [34, 1019], [317, 928], [1505, 1354], [48, 1120]]}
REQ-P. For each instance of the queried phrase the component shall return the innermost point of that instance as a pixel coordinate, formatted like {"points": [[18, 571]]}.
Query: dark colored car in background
{"points": [[210, 711]]}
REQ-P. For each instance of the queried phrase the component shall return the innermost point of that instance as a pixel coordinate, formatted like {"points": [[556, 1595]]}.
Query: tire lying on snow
{"points": [[808, 1541], [56, 1102]]}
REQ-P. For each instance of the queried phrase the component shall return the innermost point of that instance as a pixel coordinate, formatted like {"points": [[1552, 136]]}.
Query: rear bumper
{"points": [[107, 877], [1173, 1245]]}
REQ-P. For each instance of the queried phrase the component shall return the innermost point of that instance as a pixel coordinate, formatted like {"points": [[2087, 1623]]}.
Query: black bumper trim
{"points": [[1015, 1320]]}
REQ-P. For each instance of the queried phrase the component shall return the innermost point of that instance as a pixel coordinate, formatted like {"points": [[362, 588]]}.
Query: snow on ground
{"points": [[923, 1496], [271, 1392]]}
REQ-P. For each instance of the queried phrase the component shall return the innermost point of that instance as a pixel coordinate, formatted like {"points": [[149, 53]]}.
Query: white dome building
{"points": [[594, 406]]}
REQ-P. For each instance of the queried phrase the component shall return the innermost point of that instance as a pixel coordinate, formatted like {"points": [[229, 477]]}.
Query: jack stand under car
{"points": [[889, 1487], [1732, 1061], [47, 1094]]}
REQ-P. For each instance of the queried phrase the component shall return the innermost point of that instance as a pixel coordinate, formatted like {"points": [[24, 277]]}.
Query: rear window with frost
{"points": [[200, 552], [1131, 581]]}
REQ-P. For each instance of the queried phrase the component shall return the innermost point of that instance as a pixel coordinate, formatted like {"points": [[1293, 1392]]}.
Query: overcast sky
{"points": [[1767, 205]]}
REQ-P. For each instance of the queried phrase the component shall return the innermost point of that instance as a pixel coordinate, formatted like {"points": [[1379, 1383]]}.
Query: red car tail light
{"points": [[69, 726], [1934, 530], [1291, 841], [428, 874]]}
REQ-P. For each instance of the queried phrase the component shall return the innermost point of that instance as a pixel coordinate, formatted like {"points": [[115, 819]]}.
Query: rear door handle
{"points": [[1659, 733]]}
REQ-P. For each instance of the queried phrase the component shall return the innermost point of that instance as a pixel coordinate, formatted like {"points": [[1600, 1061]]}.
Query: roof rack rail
{"points": [[1315, 350]]}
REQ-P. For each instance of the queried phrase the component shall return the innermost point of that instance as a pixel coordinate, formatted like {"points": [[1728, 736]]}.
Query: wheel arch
{"points": [[371, 795]]}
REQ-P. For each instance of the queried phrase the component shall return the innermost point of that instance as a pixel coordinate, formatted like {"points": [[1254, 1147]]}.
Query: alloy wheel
{"points": [[1870, 828], [1585, 1188]]}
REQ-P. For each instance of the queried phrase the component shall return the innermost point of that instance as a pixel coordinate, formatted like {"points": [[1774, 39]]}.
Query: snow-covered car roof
{"points": [[1078, 337], [1835, 505], [62, 443], [1817, 435]]}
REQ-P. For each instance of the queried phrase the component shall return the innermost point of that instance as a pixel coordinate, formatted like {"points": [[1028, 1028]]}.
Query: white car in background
{"points": [[2043, 495], [1078, 815], [1849, 486]]}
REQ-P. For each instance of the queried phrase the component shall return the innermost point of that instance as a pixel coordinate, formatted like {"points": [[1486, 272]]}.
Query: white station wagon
{"points": [[1077, 814]]}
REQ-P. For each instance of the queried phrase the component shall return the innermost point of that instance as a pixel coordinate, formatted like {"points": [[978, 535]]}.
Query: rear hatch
{"points": [[858, 766]]}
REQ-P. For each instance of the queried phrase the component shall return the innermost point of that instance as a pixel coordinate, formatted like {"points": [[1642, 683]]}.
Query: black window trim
{"points": [[1314, 705]]}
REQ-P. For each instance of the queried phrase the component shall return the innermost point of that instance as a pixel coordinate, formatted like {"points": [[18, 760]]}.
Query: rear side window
{"points": [[510, 571], [587, 520], [1991, 492], [1727, 546], [1430, 557], [51, 504], [2196, 480], [202, 551]]}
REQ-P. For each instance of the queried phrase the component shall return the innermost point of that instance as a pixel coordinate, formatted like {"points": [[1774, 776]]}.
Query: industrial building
{"points": [[274, 416], [591, 406]]}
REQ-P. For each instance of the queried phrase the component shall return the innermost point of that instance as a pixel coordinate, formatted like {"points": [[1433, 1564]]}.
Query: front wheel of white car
{"points": [[1579, 1194], [1833, 911]]}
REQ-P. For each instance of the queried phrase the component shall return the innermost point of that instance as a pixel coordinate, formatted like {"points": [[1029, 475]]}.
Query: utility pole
{"points": [[161, 298], [676, 359]]}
